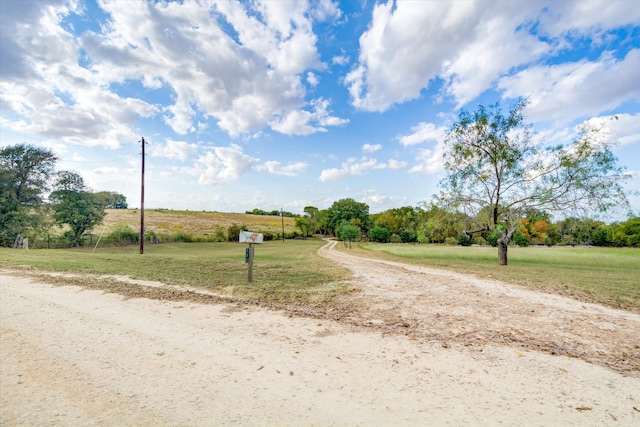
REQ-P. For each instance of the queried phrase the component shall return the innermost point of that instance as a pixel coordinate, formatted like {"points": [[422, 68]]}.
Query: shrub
{"points": [[219, 235], [464, 240], [123, 234], [395, 238], [492, 238], [407, 236], [380, 234], [451, 241], [233, 232], [520, 239], [181, 236]]}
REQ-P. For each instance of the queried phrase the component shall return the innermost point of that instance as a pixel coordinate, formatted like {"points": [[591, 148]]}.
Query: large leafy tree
{"points": [[111, 199], [497, 173], [348, 210], [25, 171], [75, 206]]}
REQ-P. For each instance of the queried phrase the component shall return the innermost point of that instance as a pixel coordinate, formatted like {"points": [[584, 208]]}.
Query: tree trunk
{"points": [[503, 244]]}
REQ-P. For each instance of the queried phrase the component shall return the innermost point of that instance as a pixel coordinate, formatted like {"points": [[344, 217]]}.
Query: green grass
{"points": [[609, 276], [283, 273]]}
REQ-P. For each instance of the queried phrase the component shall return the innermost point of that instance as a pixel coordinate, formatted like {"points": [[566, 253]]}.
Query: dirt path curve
{"points": [[71, 356], [455, 308]]}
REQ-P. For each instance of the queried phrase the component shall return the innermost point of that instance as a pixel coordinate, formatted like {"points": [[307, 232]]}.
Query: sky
{"points": [[286, 104]]}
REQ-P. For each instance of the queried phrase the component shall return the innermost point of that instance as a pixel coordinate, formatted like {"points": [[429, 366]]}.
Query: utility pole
{"points": [[282, 216], [142, 203]]}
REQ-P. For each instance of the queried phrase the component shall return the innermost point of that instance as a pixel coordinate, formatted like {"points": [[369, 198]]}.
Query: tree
{"points": [[348, 232], [379, 234], [348, 210], [25, 171], [111, 200], [311, 214], [494, 166], [75, 206], [304, 224]]}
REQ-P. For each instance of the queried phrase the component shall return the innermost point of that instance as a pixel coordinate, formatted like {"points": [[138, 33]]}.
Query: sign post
{"points": [[251, 238]]}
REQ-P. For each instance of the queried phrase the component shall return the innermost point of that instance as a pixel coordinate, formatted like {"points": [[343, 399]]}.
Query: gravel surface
{"points": [[417, 347]]}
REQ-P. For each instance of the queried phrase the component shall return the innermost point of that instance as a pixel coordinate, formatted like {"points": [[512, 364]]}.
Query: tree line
{"points": [[502, 185], [350, 220], [35, 197]]}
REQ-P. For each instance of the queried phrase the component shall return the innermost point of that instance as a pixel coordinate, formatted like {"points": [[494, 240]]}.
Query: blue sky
{"points": [[285, 104]]}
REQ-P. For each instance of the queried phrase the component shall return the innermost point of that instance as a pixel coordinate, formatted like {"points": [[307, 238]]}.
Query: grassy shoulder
{"points": [[609, 276], [283, 273]]}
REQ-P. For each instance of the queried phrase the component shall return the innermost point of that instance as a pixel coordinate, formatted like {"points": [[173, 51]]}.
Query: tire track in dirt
{"points": [[449, 307]]}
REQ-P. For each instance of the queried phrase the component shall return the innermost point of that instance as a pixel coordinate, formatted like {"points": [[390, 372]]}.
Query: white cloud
{"points": [[342, 59], [275, 167], [223, 164], [568, 91], [302, 122], [371, 148], [622, 129], [243, 79], [313, 79], [176, 150], [406, 47], [468, 45], [423, 132], [429, 161], [357, 167]]}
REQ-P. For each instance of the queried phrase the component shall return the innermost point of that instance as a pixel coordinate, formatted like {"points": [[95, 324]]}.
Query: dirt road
{"points": [[71, 356]]}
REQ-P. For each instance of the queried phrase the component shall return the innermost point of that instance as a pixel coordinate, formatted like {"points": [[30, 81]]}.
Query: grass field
{"points": [[201, 224], [609, 276], [293, 272], [284, 272]]}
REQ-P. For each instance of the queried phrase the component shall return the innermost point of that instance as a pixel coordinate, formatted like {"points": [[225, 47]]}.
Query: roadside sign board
{"points": [[249, 237]]}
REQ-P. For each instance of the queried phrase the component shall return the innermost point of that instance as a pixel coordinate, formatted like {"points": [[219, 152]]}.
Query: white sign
{"points": [[249, 237]]}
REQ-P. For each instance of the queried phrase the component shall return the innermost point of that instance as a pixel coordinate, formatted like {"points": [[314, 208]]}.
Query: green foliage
{"points": [[123, 234], [111, 200], [233, 232], [395, 238], [407, 236], [274, 212], [181, 236], [348, 231], [74, 206], [350, 211], [379, 234], [464, 240], [520, 239], [492, 238], [220, 235], [25, 172], [305, 226], [628, 233], [450, 241], [491, 157]]}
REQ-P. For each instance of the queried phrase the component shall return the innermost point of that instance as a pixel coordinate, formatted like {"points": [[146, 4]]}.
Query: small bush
{"points": [[407, 236], [451, 241], [233, 232], [464, 240], [395, 238], [122, 234], [380, 234], [181, 236], [520, 239]]}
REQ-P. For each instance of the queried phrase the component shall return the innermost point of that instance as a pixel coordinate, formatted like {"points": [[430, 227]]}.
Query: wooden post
{"points": [[142, 203], [250, 262]]}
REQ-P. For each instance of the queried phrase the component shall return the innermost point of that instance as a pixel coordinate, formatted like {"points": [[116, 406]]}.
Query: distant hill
{"points": [[198, 223]]}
